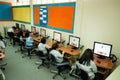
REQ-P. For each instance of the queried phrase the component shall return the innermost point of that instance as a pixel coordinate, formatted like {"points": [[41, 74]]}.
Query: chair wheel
{"points": [[38, 67], [53, 77], [3, 68]]}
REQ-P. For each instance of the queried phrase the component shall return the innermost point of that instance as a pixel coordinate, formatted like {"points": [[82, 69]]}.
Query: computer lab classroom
{"points": [[73, 25]]}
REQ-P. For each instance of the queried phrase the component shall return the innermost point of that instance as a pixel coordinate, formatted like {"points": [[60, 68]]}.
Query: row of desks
{"points": [[103, 63]]}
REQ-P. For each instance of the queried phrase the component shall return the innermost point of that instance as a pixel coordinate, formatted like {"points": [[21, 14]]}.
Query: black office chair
{"points": [[79, 73], [60, 66], [113, 58], [44, 59], [19, 43], [2, 67], [2, 75], [29, 49], [10, 36]]}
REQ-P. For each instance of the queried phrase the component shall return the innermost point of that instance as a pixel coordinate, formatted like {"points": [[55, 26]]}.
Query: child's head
{"points": [[1, 37], [27, 33], [55, 46], [86, 57], [43, 40]]}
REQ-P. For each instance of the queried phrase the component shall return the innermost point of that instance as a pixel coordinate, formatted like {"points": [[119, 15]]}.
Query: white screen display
{"points": [[102, 49], [74, 41], [33, 29], [43, 32], [23, 27], [57, 36]]}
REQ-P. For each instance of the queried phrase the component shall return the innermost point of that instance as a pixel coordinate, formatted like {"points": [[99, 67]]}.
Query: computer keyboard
{"points": [[101, 69], [67, 55]]}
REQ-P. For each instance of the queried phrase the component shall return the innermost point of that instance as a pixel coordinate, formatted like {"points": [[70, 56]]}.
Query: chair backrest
{"points": [[113, 58], [82, 74], [53, 59], [40, 53]]}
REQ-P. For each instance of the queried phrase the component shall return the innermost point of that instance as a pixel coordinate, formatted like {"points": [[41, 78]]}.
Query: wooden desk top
{"points": [[69, 50], [104, 63], [2, 55], [49, 43], [37, 39]]}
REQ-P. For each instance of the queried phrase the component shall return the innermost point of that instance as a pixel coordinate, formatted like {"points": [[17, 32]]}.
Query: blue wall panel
{"points": [[5, 11]]}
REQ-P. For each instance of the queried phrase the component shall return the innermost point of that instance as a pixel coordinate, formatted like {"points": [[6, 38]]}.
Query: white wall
{"points": [[5, 24], [6, 0], [100, 22]]}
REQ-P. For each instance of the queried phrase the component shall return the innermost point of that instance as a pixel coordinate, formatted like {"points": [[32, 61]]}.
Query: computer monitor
{"points": [[43, 32], [23, 27], [33, 29], [102, 49], [17, 25], [74, 41], [57, 36]]}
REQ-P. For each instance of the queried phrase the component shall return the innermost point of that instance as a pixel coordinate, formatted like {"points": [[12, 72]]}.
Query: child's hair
{"points": [[86, 57], [55, 46], [27, 34], [43, 40], [1, 37]]}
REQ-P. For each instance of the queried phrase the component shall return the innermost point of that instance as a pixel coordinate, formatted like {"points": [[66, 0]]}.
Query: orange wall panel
{"points": [[61, 17]]}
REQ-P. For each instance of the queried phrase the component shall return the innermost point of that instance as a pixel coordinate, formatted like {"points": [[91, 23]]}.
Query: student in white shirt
{"points": [[2, 45], [10, 33], [86, 63], [43, 46], [56, 53]]}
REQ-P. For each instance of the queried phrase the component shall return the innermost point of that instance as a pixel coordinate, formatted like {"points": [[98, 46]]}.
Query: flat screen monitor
{"points": [[43, 32], [33, 29], [57, 36], [102, 49], [17, 25], [23, 27], [74, 41]]}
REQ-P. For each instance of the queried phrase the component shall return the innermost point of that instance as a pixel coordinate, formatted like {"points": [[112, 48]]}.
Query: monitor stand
{"points": [[74, 47], [101, 57]]}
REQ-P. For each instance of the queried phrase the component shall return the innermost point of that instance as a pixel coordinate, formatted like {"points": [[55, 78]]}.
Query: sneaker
{"points": [[38, 63]]}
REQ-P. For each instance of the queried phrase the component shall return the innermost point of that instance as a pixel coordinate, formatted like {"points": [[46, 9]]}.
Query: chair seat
{"points": [[62, 64], [42, 57], [28, 47]]}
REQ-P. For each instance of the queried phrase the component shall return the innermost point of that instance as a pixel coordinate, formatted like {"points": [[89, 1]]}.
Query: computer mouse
{"points": [[72, 50], [98, 61]]}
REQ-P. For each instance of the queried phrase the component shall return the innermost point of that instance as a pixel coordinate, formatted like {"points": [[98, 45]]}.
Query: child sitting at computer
{"points": [[56, 53], [86, 63], [43, 46], [2, 45]]}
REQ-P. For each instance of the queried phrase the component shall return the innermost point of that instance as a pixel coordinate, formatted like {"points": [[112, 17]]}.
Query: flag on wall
{"points": [[43, 15]]}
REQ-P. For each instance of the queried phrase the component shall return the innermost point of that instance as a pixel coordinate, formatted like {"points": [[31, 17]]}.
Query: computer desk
{"points": [[105, 64], [71, 54], [48, 42], [67, 49], [2, 55], [36, 39]]}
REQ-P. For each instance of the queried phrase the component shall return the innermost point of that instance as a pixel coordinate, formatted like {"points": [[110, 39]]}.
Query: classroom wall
{"points": [[95, 20], [6, 0], [5, 24], [100, 22]]}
